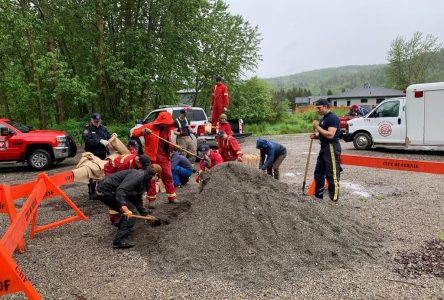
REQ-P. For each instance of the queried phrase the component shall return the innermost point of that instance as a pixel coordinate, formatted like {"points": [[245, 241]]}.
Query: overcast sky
{"points": [[314, 34]]}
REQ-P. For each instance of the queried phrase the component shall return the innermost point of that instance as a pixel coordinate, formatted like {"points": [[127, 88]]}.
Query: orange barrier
{"points": [[393, 164], [12, 278], [9, 194]]}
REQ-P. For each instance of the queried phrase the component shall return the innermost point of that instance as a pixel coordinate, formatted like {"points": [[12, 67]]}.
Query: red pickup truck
{"points": [[39, 148]]}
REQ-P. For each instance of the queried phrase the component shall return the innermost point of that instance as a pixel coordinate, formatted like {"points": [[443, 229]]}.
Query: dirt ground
{"points": [[244, 235]]}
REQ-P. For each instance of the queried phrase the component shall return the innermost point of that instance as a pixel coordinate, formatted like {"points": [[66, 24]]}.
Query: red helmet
{"points": [[354, 107]]}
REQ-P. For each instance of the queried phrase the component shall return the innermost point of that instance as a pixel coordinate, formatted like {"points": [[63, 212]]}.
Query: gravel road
{"points": [[76, 261]]}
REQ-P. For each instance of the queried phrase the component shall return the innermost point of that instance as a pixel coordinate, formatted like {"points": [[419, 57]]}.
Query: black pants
{"points": [[125, 225], [92, 183], [328, 166]]}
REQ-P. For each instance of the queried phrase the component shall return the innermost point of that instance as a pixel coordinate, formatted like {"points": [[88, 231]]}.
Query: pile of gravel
{"points": [[248, 227], [428, 260]]}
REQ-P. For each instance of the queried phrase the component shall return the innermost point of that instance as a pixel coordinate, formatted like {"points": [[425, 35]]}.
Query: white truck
{"points": [[413, 120]]}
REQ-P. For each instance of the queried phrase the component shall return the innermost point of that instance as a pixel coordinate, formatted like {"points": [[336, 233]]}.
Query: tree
{"points": [[412, 61], [251, 101]]}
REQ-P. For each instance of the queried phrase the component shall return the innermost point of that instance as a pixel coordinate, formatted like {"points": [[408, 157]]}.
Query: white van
{"points": [[413, 120]]}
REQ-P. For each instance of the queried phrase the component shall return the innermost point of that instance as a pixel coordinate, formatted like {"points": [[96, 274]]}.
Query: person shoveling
{"points": [[122, 192]]}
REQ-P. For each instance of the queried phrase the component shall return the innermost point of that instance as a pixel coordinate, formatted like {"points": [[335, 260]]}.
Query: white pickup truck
{"points": [[413, 120], [198, 121]]}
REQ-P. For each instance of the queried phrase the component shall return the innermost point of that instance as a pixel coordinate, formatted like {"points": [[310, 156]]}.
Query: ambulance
{"points": [[413, 120]]}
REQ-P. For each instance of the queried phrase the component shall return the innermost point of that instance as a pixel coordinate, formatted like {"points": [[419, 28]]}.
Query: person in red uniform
{"points": [[229, 148], [159, 152], [209, 160], [224, 125], [219, 101]]}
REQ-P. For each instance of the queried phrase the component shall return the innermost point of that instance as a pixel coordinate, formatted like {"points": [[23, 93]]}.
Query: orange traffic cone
{"points": [[311, 190]]}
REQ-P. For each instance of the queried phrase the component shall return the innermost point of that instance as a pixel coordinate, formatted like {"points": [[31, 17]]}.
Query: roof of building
{"points": [[368, 91]]}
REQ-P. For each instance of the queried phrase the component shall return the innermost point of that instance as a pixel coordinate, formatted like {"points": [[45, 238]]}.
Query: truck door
{"points": [[8, 149], [386, 123]]}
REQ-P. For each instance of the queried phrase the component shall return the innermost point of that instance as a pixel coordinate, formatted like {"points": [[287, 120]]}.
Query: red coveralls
{"points": [[158, 152], [225, 126], [120, 163], [229, 149], [216, 159], [219, 101]]}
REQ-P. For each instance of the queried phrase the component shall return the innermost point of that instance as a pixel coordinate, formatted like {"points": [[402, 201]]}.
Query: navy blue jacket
{"points": [[179, 159], [270, 149]]}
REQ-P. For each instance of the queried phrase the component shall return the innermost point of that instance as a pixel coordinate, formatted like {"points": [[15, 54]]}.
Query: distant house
{"points": [[304, 101], [367, 96]]}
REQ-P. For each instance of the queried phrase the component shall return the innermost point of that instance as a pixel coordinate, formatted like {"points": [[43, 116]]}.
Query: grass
{"points": [[299, 122]]}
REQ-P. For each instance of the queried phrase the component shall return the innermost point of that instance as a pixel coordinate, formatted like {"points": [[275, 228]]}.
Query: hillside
{"points": [[335, 79]]}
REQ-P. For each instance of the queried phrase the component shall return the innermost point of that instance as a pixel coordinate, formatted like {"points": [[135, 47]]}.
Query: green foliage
{"points": [[251, 101], [290, 124], [413, 61], [337, 80], [57, 63]]}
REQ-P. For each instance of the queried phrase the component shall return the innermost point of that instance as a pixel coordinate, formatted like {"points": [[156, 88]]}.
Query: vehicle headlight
{"points": [[61, 141]]}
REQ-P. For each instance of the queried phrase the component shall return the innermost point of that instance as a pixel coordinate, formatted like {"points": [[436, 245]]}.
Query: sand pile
{"points": [[246, 226]]}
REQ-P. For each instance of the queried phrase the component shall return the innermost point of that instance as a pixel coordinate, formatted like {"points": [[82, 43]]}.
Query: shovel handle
{"points": [[150, 219], [306, 165], [175, 145]]}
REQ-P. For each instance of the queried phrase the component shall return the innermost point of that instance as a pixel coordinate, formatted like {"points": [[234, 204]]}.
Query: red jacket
{"points": [[229, 149], [120, 163], [152, 142], [215, 158], [220, 97], [225, 126]]}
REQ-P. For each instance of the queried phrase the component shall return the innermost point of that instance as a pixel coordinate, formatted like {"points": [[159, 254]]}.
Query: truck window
{"points": [[387, 110], [19, 126], [151, 117], [192, 115]]}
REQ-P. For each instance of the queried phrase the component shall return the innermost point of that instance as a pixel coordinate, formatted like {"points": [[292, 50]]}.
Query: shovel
{"points": [[306, 166], [150, 219], [177, 146]]}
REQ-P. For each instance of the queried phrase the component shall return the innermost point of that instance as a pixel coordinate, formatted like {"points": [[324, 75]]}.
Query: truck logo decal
{"points": [[385, 128], [3, 145]]}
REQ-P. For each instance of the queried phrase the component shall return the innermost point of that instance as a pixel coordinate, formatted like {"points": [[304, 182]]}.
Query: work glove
{"points": [[126, 212], [104, 142], [146, 131], [239, 159]]}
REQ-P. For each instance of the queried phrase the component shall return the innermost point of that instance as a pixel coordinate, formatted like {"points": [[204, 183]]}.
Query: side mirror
{"points": [[4, 131], [139, 121]]}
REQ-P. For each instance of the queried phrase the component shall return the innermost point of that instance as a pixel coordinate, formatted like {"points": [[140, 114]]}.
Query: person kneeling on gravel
{"points": [[122, 192], [209, 159]]}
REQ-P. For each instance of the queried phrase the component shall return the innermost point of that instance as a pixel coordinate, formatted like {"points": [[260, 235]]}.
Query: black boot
{"points": [[124, 243], [276, 174]]}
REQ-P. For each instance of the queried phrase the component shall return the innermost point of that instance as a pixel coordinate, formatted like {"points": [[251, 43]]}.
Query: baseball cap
{"points": [[205, 148], [183, 111], [322, 102], [223, 116], [144, 161], [220, 133], [96, 116]]}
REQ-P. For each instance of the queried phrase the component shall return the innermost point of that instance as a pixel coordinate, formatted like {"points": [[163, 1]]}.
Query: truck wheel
{"points": [[39, 159], [362, 141]]}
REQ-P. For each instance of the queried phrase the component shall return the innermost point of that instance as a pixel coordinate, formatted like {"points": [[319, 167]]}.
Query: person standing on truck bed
{"points": [[96, 138], [328, 162], [183, 132], [219, 101]]}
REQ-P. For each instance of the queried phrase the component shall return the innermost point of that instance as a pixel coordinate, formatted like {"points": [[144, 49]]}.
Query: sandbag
{"points": [[251, 160], [116, 144]]}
